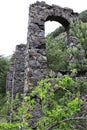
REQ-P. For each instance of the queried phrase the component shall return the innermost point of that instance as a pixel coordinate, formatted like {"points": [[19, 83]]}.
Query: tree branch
{"points": [[66, 120]]}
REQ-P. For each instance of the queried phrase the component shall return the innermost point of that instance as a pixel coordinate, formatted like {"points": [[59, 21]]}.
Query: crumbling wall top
{"points": [[44, 12]]}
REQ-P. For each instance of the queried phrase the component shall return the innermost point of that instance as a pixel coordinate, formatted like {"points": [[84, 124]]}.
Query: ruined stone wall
{"points": [[30, 64], [36, 59], [15, 76], [31, 60]]}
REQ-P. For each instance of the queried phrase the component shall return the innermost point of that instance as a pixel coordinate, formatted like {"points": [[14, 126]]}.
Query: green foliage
{"points": [[4, 64], [13, 126], [79, 30], [58, 108], [59, 100], [15, 113], [4, 107], [83, 16], [56, 53]]}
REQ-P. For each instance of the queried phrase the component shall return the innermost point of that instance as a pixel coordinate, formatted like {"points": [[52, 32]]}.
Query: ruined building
{"points": [[30, 63]]}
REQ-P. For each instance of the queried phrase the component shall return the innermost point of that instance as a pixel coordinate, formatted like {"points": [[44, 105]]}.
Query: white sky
{"points": [[14, 21]]}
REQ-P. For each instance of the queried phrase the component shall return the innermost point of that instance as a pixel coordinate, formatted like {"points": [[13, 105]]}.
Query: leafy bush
{"points": [[60, 100], [61, 103]]}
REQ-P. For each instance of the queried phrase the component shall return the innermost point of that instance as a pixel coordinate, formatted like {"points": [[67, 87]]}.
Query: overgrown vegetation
{"points": [[4, 65], [56, 49], [60, 101], [58, 52], [79, 30]]}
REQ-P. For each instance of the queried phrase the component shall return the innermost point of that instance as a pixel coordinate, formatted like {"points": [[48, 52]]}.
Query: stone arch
{"points": [[62, 20], [59, 19], [39, 13], [36, 60]]}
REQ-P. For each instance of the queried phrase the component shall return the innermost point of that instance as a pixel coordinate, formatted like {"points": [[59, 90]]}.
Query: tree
{"points": [[56, 51], [83, 16], [4, 65]]}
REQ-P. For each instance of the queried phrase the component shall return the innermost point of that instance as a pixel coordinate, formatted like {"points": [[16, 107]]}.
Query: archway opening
{"points": [[56, 43], [51, 26]]}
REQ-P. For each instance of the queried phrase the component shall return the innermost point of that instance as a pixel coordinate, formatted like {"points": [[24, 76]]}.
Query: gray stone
{"points": [[15, 76], [34, 64]]}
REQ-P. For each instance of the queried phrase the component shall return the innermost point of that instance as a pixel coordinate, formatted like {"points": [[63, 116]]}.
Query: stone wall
{"points": [[30, 63], [31, 60], [15, 76], [36, 60]]}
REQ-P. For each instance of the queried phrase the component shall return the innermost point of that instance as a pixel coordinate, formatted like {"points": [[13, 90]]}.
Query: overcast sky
{"points": [[14, 20]]}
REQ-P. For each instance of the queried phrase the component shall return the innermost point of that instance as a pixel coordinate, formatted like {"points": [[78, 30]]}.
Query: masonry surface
{"points": [[30, 64], [36, 59]]}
